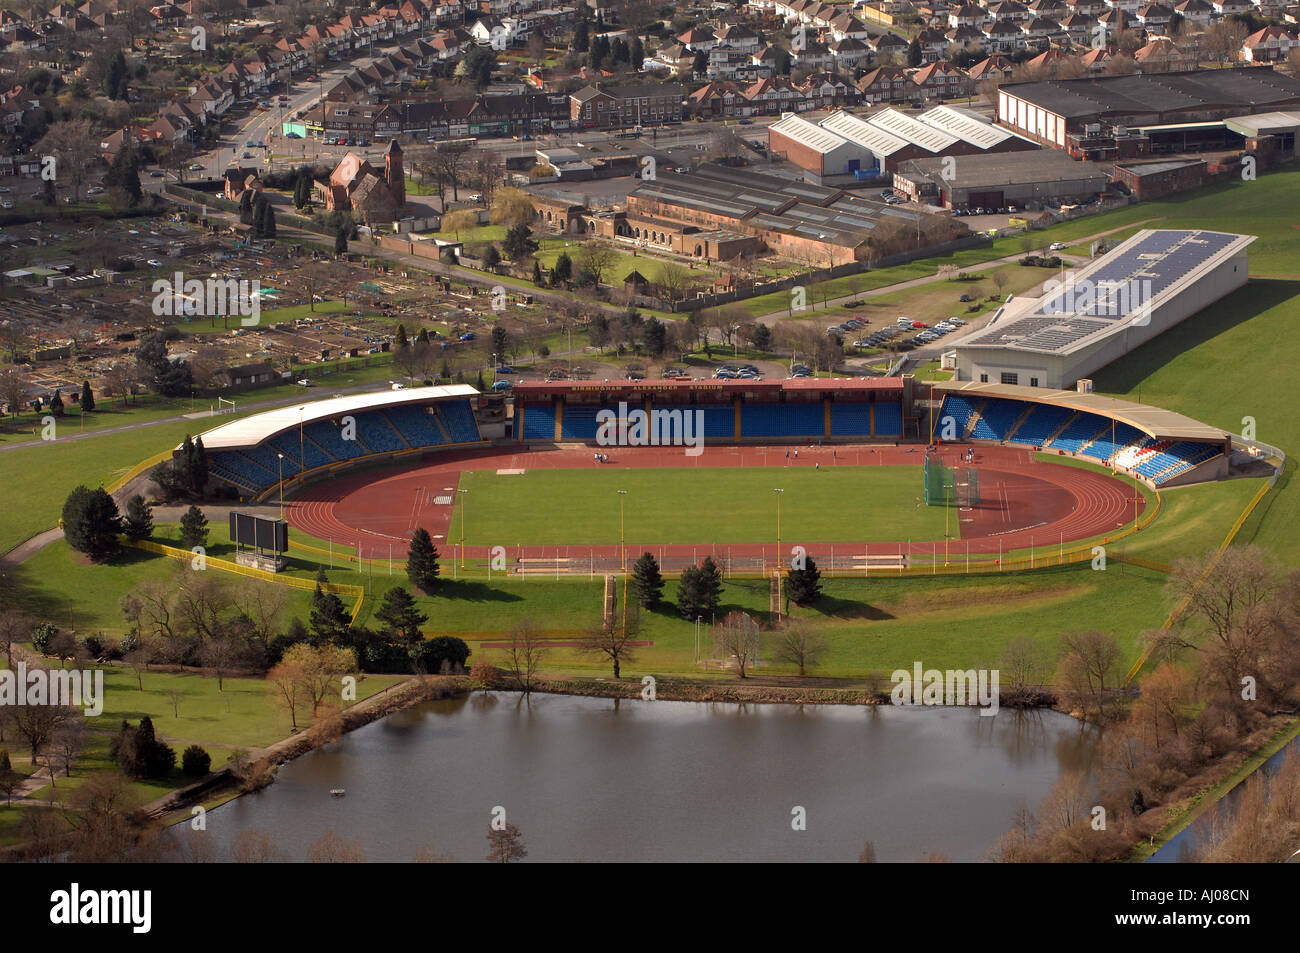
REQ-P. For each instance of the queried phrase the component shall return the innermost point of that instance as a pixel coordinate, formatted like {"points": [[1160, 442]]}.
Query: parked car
{"points": [[1056, 246], [502, 385], [155, 174], [919, 324], [468, 336], [196, 167], [292, 135], [305, 382]]}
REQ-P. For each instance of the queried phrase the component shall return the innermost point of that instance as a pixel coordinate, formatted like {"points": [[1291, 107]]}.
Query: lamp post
{"points": [[281, 456], [778, 493], [622, 556], [464, 504]]}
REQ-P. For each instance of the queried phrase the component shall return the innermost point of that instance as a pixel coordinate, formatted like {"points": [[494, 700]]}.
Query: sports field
{"points": [[676, 506]]}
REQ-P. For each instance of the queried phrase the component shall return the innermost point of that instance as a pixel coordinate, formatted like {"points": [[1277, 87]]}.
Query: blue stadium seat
{"points": [[719, 419], [328, 436], [417, 425], [1105, 447], [996, 419], [458, 417], [377, 433], [579, 422], [850, 419], [960, 410], [288, 444], [889, 420], [1043, 421], [1081, 430], [782, 420], [539, 422]]}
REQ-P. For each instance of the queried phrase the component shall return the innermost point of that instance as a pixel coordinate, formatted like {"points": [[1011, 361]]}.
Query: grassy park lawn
{"points": [[580, 507]]}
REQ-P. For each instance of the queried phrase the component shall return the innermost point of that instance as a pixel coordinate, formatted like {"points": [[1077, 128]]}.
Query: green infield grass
{"points": [[696, 506]]}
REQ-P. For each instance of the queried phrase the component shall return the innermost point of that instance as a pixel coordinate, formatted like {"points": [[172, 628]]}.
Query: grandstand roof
{"points": [[1112, 293], [1159, 423], [250, 431], [537, 389]]}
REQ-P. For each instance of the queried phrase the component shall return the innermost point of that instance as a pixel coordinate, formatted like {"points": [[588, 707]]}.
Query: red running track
{"points": [[1024, 502]]}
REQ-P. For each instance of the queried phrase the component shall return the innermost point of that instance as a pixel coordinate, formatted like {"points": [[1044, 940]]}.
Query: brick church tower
{"points": [[394, 173]]}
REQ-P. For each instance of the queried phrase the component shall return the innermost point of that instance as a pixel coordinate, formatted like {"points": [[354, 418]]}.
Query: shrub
{"points": [[196, 762]]}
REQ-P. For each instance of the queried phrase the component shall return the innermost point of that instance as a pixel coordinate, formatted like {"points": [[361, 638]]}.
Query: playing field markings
{"points": [[442, 500], [510, 473]]}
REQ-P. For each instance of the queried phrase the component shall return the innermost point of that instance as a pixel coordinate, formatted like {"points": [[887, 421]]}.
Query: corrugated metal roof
{"points": [[806, 133], [917, 133], [851, 127], [965, 126]]}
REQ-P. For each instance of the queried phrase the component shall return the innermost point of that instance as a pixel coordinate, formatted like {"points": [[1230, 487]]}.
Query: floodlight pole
{"points": [[778, 493], [281, 456], [622, 556], [463, 505]]}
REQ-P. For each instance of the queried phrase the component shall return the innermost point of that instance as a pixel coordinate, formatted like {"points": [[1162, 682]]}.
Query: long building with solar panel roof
{"points": [[1088, 318]]}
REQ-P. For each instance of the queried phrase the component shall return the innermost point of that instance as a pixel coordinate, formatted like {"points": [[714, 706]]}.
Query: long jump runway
{"points": [[1024, 503]]}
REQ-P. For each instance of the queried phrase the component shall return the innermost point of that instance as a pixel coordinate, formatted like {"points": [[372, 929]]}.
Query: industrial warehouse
{"points": [[1025, 179], [843, 146], [1128, 116], [1147, 285], [718, 212]]}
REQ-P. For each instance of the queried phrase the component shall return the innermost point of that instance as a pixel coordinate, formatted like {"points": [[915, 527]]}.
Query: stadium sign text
{"points": [[655, 428]]}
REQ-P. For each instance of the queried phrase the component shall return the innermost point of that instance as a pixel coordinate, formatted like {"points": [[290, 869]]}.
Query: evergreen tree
{"points": [[647, 582], [803, 586], [537, 273], [91, 522], [87, 398], [246, 207], [422, 561], [701, 64], [198, 475], [518, 242], [700, 590], [914, 53], [636, 53], [581, 37], [654, 337], [302, 189], [194, 528], [115, 77], [491, 257], [329, 618], [56, 403], [341, 240], [762, 337], [267, 226], [400, 342], [423, 336], [618, 52], [563, 269], [598, 53], [184, 462], [138, 523], [500, 341], [124, 174], [399, 614]]}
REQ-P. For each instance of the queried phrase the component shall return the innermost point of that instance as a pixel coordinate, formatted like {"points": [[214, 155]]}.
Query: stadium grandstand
{"points": [[1161, 447], [1111, 306], [297, 443], [732, 411]]}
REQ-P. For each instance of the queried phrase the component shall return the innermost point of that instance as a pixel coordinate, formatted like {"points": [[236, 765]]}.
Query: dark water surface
{"points": [[600, 780]]}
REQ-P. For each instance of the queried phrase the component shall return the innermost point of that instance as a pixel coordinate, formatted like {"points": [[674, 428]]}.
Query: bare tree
{"points": [[329, 848], [14, 627], [67, 742], [736, 636], [1088, 663], [505, 845], [256, 847], [524, 655], [800, 645], [614, 642]]}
